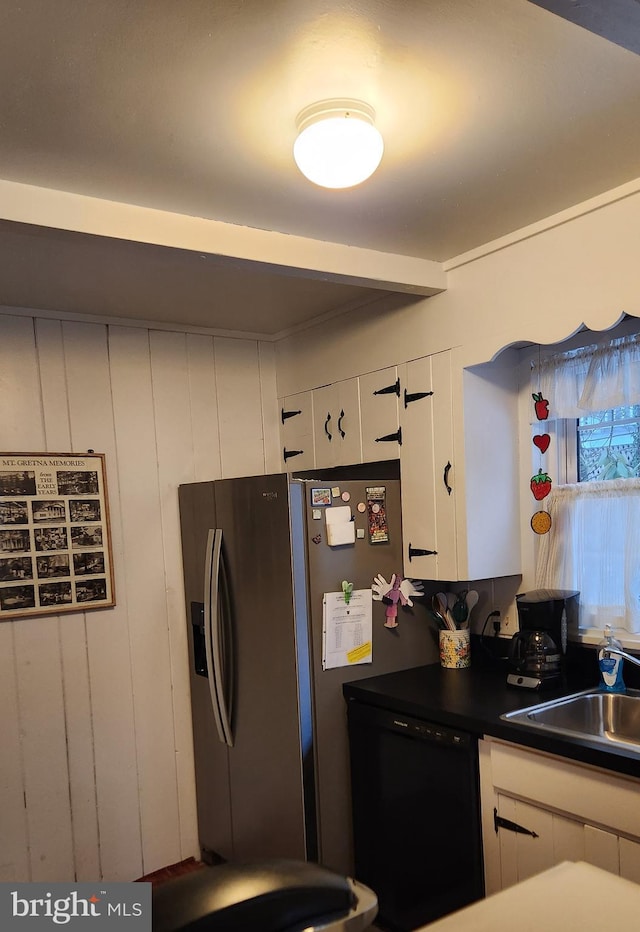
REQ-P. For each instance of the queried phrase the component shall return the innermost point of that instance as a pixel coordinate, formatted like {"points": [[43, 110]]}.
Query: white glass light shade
{"points": [[338, 145]]}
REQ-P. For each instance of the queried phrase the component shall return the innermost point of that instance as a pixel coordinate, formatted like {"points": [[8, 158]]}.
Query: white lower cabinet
{"points": [[539, 810]]}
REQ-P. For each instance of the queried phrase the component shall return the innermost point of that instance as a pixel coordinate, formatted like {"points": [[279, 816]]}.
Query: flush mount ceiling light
{"points": [[338, 145]]}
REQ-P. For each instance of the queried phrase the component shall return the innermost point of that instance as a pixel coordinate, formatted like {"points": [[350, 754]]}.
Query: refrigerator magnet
{"points": [[335, 491], [320, 497], [377, 514], [346, 496], [316, 514]]}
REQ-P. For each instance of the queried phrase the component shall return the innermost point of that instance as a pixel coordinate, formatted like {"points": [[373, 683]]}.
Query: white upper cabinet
{"points": [[336, 424], [427, 469], [458, 461], [296, 432], [455, 430], [379, 415]]}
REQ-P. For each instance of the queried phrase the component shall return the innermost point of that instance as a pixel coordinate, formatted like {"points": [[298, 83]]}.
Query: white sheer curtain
{"points": [[594, 542], [593, 378], [594, 546]]}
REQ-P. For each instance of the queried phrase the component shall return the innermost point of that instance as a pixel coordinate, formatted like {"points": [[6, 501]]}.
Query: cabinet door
{"points": [[556, 839], [337, 424], [552, 810], [348, 423], [379, 416], [427, 470], [296, 431], [325, 431]]}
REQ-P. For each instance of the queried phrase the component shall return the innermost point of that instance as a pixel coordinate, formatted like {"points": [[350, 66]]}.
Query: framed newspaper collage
{"points": [[55, 546]]}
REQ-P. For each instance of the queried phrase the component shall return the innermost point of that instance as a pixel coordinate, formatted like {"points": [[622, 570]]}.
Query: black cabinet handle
{"points": [[419, 552], [391, 438], [414, 396], [287, 414], [326, 425], [340, 430], [390, 389], [499, 822], [287, 454], [445, 478]]}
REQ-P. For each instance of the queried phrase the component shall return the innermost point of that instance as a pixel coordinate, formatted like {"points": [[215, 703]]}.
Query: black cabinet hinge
{"points": [[287, 414], [499, 822], [414, 396], [396, 437], [389, 389], [419, 552]]}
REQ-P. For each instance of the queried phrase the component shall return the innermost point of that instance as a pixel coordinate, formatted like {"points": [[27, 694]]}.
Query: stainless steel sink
{"points": [[609, 719]]}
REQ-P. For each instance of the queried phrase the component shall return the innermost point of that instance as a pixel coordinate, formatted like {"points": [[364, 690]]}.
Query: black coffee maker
{"points": [[537, 650]]}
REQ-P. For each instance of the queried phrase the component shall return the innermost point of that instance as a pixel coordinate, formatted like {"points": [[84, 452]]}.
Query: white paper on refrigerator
{"points": [[346, 629]]}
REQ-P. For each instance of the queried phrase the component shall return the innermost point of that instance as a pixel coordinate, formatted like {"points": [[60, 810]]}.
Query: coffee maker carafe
{"points": [[537, 650]]}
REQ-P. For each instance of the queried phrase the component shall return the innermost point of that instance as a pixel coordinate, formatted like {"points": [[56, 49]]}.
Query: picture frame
{"points": [[55, 538]]}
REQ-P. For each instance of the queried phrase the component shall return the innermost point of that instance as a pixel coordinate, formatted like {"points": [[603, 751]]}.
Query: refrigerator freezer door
{"points": [[197, 516], [266, 761]]}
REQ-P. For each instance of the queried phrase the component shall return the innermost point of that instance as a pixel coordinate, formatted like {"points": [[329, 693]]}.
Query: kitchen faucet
{"points": [[615, 651]]}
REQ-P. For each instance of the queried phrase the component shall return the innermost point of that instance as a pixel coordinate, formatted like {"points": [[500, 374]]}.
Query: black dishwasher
{"points": [[416, 815]]}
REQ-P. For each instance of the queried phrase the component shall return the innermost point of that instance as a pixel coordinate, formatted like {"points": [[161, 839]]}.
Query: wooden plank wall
{"points": [[96, 766]]}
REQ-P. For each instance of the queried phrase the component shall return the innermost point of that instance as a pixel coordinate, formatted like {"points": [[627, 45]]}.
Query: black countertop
{"points": [[473, 700]]}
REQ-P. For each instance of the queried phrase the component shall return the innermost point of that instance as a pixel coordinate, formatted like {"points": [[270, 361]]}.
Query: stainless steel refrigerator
{"points": [[269, 723]]}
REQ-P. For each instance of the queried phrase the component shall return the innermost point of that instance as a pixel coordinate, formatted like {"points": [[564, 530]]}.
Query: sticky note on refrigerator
{"points": [[341, 529]]}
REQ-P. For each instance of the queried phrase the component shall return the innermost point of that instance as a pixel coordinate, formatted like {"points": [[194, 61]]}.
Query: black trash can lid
{"points": [[269, 896]]}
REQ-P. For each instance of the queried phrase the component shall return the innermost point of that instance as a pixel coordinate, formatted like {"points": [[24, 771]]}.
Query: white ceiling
{"points": [[495, 114]]}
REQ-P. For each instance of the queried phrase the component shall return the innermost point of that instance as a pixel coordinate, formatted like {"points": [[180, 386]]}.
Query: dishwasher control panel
{"points": [[418, 728]]}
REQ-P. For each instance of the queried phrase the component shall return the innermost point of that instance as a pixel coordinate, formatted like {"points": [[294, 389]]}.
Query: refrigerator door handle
{"points": [[212, 635], [223, 650]]}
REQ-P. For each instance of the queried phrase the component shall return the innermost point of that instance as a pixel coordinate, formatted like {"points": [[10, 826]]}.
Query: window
{"points": [[594, 542], [608, 444]]}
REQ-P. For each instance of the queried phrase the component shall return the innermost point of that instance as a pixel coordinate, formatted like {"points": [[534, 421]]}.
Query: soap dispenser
{"points": [[610, 665]]}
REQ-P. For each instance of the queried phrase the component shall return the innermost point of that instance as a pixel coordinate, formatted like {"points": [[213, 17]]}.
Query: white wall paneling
{"points": [[96, 774], [270, 408], [72, 628], [42, 831], [238, 389]]}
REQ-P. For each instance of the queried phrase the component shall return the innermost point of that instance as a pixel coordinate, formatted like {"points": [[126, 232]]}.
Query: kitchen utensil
{"points": [[436, 612], [472, 601], [437, 617], [439, 608], [460, 610]]}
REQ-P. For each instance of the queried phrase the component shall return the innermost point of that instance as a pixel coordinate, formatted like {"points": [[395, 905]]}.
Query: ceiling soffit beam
{"points": [[284, 254]]}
